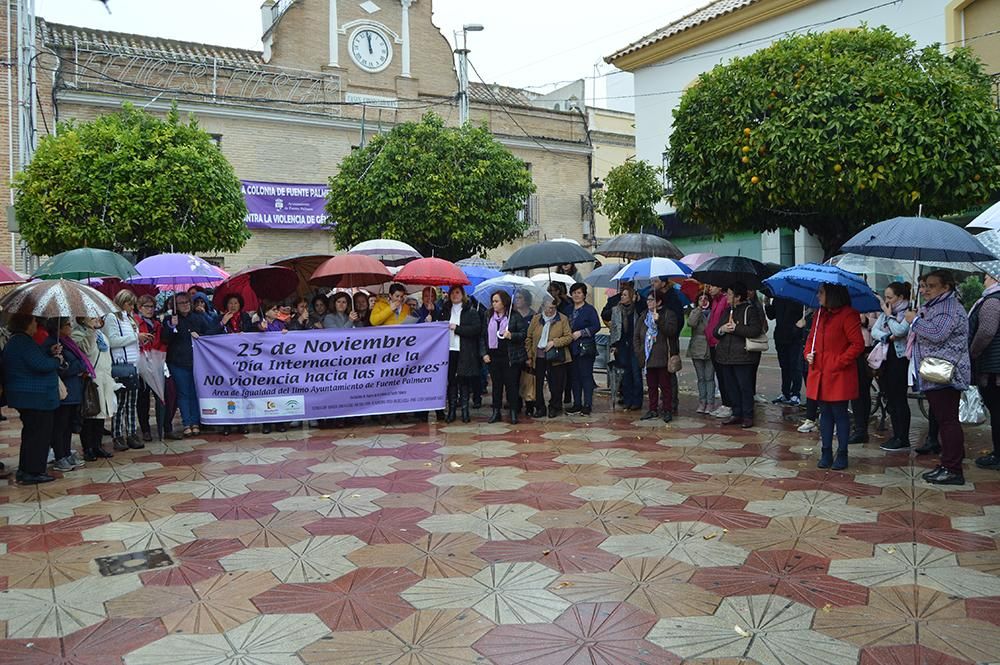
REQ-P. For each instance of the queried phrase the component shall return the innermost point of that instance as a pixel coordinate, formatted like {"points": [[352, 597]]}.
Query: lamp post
{"points": [[463, 72]]}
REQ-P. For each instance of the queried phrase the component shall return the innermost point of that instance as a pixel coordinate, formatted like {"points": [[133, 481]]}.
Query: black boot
{"points": [[513, 416], [495, 417], [452, 405], [464, 398]]}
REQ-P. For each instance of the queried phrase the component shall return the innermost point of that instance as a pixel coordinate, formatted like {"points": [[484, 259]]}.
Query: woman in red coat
{"points": [[833, 346]]}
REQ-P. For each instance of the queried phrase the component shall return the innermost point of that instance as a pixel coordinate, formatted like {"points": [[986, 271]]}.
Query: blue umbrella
{"points": [[653, 267], [800, 283], [478, 274], [512, 284], [918, 239], [604, 277]]}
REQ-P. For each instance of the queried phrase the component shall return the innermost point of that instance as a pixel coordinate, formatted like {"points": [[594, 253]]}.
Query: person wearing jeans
{"points": [[585, 325], [832, 348], [700, 355], [621, 339], [740, 321], [178, 334], [891, 330]]}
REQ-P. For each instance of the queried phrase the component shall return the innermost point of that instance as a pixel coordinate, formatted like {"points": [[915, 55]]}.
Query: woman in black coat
{"points": [[504, 355], [463, 350]]}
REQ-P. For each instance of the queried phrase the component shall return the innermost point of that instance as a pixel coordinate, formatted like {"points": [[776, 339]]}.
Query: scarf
{"points": [[496, 325], [234, 323], [990, 290], [898, 310], [543, 339], [651, 333], [71, 345]]}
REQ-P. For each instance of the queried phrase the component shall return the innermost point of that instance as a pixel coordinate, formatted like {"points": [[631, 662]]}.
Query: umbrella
{"points": [[85, 262], [304, 266], [350, 270], [10, 276], [178, 271], [512, 284], [477, 274], [389, 252], [544, 279], [800, 283], [646, 269], [110, 286], [873, 265], [256, 284], [477, 262], [991, 241], [638, 246], [547, 254], [58, 298], [918, 239], [432, 272], [695, 261], [989, 220], [727, 270], [604, 277]]}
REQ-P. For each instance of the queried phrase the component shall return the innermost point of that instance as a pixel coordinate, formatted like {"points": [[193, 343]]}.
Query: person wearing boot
{"points": [[549, 338], [504, 373], [85, 335], [463, 350], [832, 348]]}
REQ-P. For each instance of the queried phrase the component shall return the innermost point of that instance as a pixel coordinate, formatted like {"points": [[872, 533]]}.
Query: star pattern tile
{"points": [[694, 543]]}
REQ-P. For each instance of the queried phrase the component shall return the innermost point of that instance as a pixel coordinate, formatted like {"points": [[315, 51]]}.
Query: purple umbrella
{"points": [[176, 269]]}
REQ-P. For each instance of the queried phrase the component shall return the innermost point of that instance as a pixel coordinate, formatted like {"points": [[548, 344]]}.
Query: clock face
{"points": [[370, 49]]}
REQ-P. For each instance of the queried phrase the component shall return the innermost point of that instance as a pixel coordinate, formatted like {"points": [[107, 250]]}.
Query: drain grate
{"points": [[133, 562]]}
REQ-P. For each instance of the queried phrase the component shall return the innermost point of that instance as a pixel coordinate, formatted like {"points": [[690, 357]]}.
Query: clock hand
{"points": [[370, 51]]}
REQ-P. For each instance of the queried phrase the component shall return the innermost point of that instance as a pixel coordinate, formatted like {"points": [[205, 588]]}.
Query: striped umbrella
{"points": [[57, 298]]}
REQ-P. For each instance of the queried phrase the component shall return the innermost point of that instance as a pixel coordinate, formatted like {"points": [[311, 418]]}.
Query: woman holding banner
{"points": [[177, 333], [463, 350]]}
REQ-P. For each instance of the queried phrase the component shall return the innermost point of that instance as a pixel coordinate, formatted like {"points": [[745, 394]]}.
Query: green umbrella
{"points": [[85, 262]]}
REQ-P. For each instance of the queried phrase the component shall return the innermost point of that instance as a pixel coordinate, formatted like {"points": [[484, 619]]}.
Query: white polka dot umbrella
{"points": [[56, 298]]}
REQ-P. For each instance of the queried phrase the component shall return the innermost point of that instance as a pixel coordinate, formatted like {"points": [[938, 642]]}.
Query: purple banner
{"points": [[279, 205], [317, 374]]}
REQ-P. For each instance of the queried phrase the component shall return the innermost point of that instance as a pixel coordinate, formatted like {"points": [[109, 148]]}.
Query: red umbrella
{"points": [[432, 272], [350, 270], [10, 276], [256, 284], [110, 286]]}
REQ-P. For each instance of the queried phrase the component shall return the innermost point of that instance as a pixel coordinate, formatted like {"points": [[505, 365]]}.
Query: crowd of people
{"points": [[81, 375]]}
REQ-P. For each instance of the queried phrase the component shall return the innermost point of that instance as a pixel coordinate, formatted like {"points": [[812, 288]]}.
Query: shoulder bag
{"points": [[90, 404], [674, 362], [758, 344], [937, 370]]}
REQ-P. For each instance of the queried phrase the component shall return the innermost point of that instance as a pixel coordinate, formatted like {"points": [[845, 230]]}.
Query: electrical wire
{"points": [[503, 107]]}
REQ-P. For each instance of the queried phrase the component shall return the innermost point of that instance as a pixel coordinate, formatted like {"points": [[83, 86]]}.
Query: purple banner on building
{"points": [[317, 374], [280, 205]]}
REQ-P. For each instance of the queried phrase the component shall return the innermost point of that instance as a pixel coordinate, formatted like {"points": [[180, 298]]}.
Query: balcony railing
{"points": [[529, 214]]}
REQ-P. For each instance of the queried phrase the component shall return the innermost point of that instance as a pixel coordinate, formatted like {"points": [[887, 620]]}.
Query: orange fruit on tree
{"points": [[745, 160], [746, 131], [754, 180], [746, 148], [837, 168]]}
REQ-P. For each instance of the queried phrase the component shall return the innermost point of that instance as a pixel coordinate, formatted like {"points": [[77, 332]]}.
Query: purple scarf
{"points": [[496, 324], [71, 345]]}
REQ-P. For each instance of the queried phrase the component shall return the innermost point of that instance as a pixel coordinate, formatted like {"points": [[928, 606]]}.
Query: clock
{"points": [[370, 49]]}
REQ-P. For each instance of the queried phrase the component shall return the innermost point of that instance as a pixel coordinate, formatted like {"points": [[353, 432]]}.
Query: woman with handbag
{"points": [[71, 373], [653, 332], [99, 401], [547, 346], [832, 348], [700, 354], [123, 336], [465, 325], [889, 333], [735, 358], [585, 324], [940, 354]]}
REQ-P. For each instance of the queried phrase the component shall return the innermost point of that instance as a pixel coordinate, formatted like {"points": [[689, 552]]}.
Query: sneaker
{"points": [[760, 399], [894, 445], [77, 460], [858, 437], [574, 409], [63, 465], [991, 461], [723, 412], [780, 400], [794, 401], [927, 475], [946, 477], [650, 415], [701, 408], [930, 447], [807, 426]]}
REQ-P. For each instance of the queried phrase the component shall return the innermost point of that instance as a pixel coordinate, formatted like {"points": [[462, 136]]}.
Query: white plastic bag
{"points": [[971, 410]]}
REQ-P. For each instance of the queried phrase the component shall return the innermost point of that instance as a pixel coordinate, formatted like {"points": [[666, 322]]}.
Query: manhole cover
{"points": [[133, 562]]}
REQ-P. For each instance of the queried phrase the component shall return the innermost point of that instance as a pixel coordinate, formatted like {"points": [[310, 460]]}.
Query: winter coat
{"points": [[86, 338], [383, 314], [560, 335], [719, 307], [123, 336], [616, 330], [667, 327], [731, 349], [585, 320], [468, 331], [785, 314], [698, 346], [889, 328], [180, 352], [31, 379], [942, 331], [833, 375], [151, 327], [70, 372], [518, 328]]}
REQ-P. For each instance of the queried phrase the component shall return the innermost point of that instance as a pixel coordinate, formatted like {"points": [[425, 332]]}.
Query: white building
{"points": [[665, 62]]}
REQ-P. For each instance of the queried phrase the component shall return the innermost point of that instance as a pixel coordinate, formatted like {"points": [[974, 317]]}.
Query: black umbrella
{"points": [[547, 254], [727, 270], [918, 239], [636, 246]]}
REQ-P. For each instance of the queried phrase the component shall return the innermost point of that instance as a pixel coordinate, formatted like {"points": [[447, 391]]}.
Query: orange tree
{"points": [[834, 131]]}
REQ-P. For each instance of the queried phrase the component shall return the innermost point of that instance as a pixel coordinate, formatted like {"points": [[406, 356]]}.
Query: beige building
{"points": [[332, 73]]}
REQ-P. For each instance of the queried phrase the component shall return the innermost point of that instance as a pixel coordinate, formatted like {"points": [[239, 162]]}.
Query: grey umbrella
{"points": [[547, 254], [477, 262], [918, 239], [635, 246], [603, 277]]}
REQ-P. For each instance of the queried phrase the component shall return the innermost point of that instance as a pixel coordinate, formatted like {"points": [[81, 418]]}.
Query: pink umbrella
{"points": [[10, 276], [432, 272], [694, 261]]}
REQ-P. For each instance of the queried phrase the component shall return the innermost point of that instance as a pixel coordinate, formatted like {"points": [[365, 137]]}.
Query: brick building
{"points": [[331, 74]]}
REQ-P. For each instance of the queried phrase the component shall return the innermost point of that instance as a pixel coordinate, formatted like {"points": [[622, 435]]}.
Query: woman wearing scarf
{"points": [[891, 330], [94, 346], [71, 370], [585, 324], [621, 339], [984, 324], [719, 306], [940, 331], [149, 340], [236, 319], [699, 354], [463, 350], [740, 321], [656, 326], [547, 346], [505, 368], [832, 348]]}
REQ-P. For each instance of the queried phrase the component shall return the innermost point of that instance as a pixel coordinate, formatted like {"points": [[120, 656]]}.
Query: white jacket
{"points": [[123, 337]]}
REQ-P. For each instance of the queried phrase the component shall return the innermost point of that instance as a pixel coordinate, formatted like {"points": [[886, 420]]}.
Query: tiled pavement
{"points": [[584, 541]]}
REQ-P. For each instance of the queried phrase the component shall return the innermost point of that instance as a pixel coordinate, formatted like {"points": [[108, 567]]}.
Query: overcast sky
{"points": [[526, 42]]}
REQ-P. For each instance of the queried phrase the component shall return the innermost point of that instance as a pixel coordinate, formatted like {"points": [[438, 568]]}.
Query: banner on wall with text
{"points": [[319, 374], [282, 205]]}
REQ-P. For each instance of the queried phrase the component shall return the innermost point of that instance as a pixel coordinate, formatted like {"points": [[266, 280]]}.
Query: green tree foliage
{"points": [[631, 192], [970, 290], [130, 181], [450, 191], [833, 132]]}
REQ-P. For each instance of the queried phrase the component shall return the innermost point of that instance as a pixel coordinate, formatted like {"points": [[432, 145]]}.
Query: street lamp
{"points": [[463, 72]]}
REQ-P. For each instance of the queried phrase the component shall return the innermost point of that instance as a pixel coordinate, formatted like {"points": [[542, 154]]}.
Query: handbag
{"points": [[63, 392], [758, 344], [878, 354], [90, 405], [553, 355], [937, 370], [674, 362], [588, 347]]}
